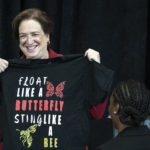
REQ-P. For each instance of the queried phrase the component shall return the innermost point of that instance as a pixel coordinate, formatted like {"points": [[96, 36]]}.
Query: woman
{"points": [[33, 28], [129, 107]]}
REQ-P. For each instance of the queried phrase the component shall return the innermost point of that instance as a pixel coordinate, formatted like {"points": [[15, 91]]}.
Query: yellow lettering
{"points": [[53, 142], [45, 142]]}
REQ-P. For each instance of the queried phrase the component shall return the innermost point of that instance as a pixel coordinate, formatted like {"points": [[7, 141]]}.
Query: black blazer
{"points": [[131, 138]]}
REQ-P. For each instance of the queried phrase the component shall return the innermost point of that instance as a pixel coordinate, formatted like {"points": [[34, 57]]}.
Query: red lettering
{"points": [[61, 105], [29, 103], [24, 105], [35, 105], [51, 105], [56, 105], [17, 105], [46, 105], [40, 105]]}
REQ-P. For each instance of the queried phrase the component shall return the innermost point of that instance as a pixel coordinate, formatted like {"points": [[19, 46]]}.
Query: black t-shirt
{"points": [[45, 103]]}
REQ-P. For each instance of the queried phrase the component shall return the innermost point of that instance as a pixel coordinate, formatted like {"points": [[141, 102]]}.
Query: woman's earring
{"points": [[115, 112]]}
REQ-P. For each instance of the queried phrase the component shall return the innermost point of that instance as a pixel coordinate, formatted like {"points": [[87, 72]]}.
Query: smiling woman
{"points": [[32, 28], [33, 32], [33, 41]]}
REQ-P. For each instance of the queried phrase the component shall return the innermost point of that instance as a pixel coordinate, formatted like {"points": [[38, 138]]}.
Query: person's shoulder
{"points": [[113, 144]]}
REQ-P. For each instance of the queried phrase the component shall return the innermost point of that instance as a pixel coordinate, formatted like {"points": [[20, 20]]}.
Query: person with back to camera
{"points": [[129, 107], [32, 28]]}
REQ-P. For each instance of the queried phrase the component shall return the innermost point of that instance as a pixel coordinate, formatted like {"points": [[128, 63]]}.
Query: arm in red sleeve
{"points": [[97, 111]]}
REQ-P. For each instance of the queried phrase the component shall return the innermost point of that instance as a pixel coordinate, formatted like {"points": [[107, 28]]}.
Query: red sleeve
{"points": [[53, 54], [1, 145], [86, 148], [97, 111]]}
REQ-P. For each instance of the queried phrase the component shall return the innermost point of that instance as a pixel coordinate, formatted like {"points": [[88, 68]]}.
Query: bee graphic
{"points": [[25, 135]]}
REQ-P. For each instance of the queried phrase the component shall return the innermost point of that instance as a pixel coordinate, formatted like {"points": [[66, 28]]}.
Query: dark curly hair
{"points": [[134, 101], [35, 14]]}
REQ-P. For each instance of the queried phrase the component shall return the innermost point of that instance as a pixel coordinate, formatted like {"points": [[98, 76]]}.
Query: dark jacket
{"points": [[131, 138]]}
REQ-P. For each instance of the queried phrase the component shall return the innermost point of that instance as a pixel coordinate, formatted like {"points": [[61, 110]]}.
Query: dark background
{"points": [[118, 29]]}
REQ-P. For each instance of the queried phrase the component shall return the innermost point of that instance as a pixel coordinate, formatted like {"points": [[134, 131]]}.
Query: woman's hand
{"points": [[93, 55], [3, 65]]}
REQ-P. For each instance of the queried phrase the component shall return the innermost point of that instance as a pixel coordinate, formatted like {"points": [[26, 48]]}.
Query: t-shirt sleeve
{"points": [[101, 79]]}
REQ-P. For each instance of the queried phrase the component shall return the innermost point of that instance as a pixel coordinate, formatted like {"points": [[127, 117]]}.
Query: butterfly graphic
{"points": [[25, 135], [58, 91]]}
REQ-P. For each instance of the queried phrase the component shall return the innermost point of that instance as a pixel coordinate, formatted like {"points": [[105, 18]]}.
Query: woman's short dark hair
{"points": [[35, 14], [134, 101]]}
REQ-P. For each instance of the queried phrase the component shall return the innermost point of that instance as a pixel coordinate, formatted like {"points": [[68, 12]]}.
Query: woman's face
{"points": [[32, 40], [111, 107], [113, 111]]}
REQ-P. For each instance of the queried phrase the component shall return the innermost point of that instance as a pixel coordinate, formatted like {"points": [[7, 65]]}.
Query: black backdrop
{"points": [[119, 29]]}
